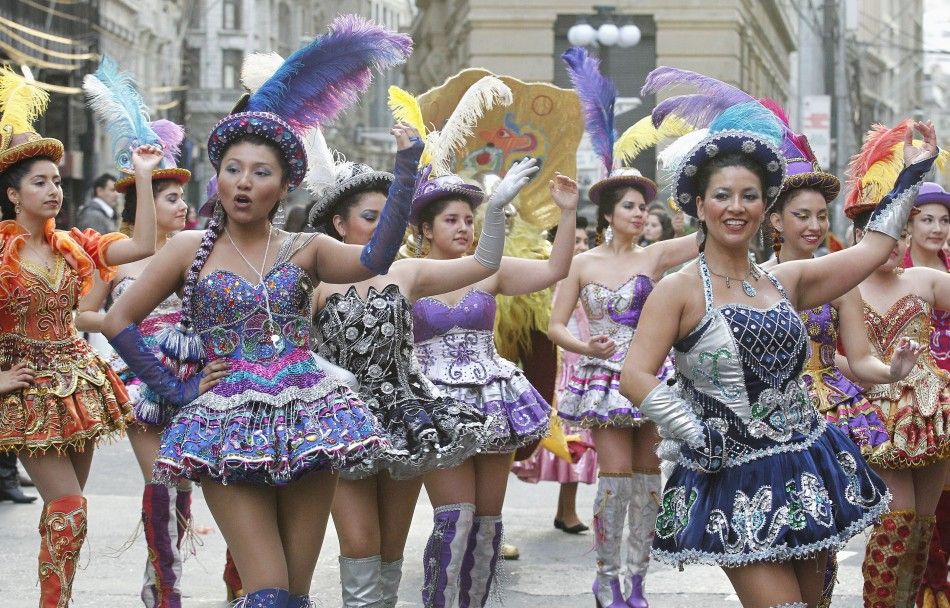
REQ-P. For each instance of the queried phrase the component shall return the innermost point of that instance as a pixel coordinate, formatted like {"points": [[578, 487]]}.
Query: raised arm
{"points": [[90, 314], [142, 243], [808, 279], [517, 276], [673, 252], [864, 366]]}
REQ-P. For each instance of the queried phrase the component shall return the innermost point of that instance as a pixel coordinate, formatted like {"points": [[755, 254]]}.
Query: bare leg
{"points": [[764, 585], [55, 476], [810, 573], [451, 486], [303, 508], [645, 439], [491, 482], [928, 486], [614, 449], [397, 502], [247, 516], [82, 463], [567, 505], [901, 485], [356, 517], [145, 442]]}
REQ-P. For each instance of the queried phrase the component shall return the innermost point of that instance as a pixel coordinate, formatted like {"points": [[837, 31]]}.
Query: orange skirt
{"points": [[917, 438]]}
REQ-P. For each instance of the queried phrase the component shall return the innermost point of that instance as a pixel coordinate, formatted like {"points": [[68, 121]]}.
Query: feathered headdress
{"points": [[698, 109], [874, 169], [21, 103], [117, 103], [312, 86]]}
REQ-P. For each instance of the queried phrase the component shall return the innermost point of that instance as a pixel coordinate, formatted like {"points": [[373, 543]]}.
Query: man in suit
{"points": [[100, 213]]}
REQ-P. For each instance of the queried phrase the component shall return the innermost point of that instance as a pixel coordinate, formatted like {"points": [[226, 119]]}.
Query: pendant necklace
{"points": [[753, 273], [270, 327]]}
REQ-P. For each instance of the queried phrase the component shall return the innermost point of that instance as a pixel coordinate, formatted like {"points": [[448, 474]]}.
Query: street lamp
{"points": [[608, 34]]}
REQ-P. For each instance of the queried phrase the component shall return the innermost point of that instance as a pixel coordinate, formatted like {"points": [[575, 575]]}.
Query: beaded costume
{"points": [[790, 485], [939, 321], [372, 337], [839, 399], [592, 397], [455, 347], [166, 313], [75, 396], [276, 416], [916, 409]]}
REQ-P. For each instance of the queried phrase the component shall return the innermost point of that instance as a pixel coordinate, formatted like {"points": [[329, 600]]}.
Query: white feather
{"points": [[479, 99], [257, 68], [321, 165], [668, 161], [102, 100]]}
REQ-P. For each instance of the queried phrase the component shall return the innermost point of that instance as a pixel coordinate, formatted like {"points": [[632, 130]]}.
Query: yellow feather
{"points": [[880, 177], [643, 135], [21, 102], [405, 109]]}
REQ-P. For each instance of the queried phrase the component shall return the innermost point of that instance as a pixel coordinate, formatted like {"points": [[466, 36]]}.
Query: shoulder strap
{"points": [[292, 245], [707, 281]]}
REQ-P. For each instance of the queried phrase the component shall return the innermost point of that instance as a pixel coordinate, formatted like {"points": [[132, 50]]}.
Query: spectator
{"points": [[100, 213], [659, 227]]}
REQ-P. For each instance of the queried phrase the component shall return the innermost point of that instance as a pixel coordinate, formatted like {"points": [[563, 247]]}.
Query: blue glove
{"points": [[378, 254], [131, 346]]}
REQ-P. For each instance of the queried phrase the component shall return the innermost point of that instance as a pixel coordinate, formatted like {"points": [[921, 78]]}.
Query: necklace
{"points": [[753, 273], [270, 326]]}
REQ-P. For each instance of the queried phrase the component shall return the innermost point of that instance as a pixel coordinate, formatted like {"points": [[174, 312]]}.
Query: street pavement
{"points": [[555, 569]]}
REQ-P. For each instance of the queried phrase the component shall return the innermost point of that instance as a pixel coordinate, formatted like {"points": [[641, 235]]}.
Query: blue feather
{"points": [[118, 105], [598, 95], [750, 116], [319, 80]]}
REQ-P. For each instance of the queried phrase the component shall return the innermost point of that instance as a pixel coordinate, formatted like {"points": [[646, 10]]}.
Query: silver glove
{"points": [[891, 214], [491, 243], [672, 415]]}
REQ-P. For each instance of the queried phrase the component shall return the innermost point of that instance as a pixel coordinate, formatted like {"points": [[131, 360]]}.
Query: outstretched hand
{"points": [[517, 177], [914, 154], [146, 158], [564, 191]]}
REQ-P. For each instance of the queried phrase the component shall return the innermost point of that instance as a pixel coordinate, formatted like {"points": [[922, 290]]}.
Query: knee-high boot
{"points": [[163, 568], [643, 509], [935, 589], [390, 574], [183, 514], [912, 569], [299, 601], [831, 577], [360, 582], [442, 560], [62, 532], [264, 598], [481, 560], [610, 514], [885, 558]]}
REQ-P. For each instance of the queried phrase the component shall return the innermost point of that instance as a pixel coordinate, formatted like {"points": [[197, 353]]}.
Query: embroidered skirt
{"points": [[919, 433], [843, 405]]}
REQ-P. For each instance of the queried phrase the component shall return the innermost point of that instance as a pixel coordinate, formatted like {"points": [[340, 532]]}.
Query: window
{"points": [[284, 39], [232, 14], [196, 17], [231, 69], [192, 68]]}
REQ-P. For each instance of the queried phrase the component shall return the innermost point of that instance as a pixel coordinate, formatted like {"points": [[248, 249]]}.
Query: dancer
{"points": [[761, 485], [72, 398], [455, 346], [166, 511], [612, 282], [545, 465], [269, 425], [931, 225], [915, 410], [367, 329]]}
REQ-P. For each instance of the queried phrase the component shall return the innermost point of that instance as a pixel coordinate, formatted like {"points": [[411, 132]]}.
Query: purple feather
{"points": [[713, 97], [171, 135], [597, 94], [331, 73]]}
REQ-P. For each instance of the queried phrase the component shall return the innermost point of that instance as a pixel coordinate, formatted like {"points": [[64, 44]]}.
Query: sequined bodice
{"points": [[822, 325], [456, 344], [42, 303], [740, 369], [257, 323], [615, 313], [372, 338]]}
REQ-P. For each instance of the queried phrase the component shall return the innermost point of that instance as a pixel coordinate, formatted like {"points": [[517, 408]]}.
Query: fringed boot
{"points": [[442, 559], [162, 536], [610, 514]]}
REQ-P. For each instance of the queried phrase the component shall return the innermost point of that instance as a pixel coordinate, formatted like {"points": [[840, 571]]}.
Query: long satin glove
{"points": [[491, 243], [891, 214], [378, 254], [684, 434], [130, 345]]}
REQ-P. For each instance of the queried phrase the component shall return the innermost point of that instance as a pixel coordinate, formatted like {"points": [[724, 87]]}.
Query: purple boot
{"points": [[299, 601], [161, 588], [442, 559], [481, 558], [264, 598]]}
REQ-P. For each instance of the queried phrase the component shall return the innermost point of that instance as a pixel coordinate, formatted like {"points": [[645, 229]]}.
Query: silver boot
{"points": [[360, 582], [481, 561], [390, 574], [610, 515], [644, 507]]}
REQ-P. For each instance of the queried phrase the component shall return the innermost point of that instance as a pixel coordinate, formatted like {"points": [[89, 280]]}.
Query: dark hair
{"points": [[607, 202], [666, 223], [13, 178], [429, 212], [102, 181], [345, 205], [128, 209], [861, 220], [779, 207]]}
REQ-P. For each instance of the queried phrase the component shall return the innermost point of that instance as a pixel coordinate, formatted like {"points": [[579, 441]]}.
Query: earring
{"points": [[419, 239], [17, 209], [700, 234], [608, 234], [761, 239], [280, 218], [777, 240]]}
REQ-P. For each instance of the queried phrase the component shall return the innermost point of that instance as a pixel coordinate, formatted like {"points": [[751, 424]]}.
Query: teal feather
{"points": [[750, 116]]}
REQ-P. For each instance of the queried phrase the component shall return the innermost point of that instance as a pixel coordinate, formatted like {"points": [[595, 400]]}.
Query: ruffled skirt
{"points": [[75, 398], [424, 433], [917, 438], [843, 405], [516, 413], [784, 506], [268, 426]]}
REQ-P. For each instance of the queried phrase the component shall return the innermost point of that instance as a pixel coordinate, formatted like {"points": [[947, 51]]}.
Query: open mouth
{"points": [[242, 200], [735, 225]]}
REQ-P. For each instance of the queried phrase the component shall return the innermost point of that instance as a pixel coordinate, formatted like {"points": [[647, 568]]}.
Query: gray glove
{"points": [[672, 415], [491, 243], [891, 214]]}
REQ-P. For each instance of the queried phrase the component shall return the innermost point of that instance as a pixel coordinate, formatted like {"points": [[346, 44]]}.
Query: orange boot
{"points": [[886, 552], [62, 532], [917, 554], [935, 590]]}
